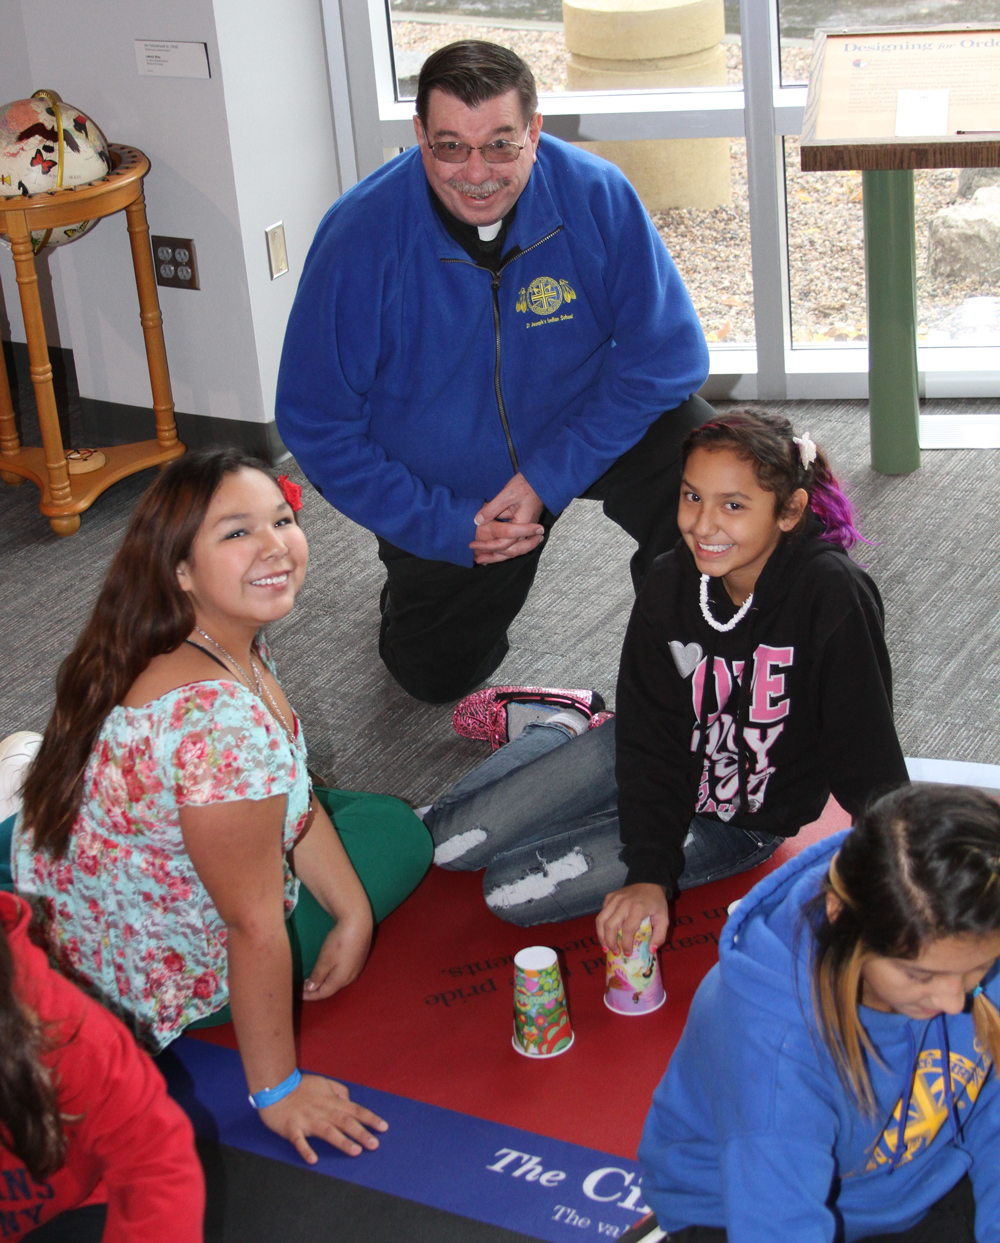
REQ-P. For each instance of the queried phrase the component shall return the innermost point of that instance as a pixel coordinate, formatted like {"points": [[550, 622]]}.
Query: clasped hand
{"points": [[508, 526]]}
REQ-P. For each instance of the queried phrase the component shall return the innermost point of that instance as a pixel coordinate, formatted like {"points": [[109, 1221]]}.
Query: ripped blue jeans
{"points": [[541, 816]]}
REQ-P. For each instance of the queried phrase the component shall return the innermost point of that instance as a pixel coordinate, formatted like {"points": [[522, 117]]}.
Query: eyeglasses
{"points": [[500, 151]]}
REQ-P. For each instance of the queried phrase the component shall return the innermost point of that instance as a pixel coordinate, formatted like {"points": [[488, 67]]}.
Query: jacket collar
{"points": [[537, 212]]}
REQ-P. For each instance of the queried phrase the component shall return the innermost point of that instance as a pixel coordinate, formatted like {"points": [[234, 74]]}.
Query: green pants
{"points": [[388, 848]]}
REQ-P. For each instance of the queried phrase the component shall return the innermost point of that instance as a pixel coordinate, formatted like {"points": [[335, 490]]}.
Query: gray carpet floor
{"points": [[934, 556]]}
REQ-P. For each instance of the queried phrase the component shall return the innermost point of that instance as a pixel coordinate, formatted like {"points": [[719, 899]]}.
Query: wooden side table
{"points": [[65, 496], [850, 123]]}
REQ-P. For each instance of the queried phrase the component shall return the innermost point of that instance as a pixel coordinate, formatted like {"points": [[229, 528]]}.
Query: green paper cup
{"points": [[541, 1020]]}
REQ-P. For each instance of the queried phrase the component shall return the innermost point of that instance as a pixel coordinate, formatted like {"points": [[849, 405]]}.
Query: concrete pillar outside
{"points": [[619, 45]]}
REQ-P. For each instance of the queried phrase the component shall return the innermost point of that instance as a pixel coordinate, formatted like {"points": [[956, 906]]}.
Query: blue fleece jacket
{"points": [[395, 364], [751, 1128]]}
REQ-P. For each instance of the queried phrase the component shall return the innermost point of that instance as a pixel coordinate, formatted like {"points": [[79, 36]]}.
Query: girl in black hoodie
{"points": [[713, 768]]}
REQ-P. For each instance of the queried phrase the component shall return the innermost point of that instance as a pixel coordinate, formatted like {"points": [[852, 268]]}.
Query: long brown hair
{"points": [[141, 612], [30, 1124], [923, 862]]}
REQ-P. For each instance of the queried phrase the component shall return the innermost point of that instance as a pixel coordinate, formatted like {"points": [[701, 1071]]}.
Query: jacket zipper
{"points": [[494, 288]]}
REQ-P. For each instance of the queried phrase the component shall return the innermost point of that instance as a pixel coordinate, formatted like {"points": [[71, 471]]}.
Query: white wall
{"points": [[281, 138], [15, 79], [230, 155]]}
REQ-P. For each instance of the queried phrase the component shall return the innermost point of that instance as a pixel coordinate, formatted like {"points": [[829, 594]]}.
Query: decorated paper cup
{"points": [[541, 1020], [632, 982]]}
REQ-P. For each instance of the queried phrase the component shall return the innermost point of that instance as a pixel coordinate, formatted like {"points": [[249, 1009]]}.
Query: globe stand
{"points": [[66, 496]]}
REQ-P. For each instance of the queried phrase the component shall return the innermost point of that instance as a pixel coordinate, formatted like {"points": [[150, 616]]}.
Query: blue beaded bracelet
{"points": [[271, 1096]]}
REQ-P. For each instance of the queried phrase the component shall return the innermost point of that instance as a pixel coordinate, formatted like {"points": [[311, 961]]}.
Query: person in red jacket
{"points": [[91, 1145]]}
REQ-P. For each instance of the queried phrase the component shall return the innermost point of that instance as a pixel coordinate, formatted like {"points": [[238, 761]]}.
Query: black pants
{"points": [[444, 626], [951, 1220], [76, 1225]]}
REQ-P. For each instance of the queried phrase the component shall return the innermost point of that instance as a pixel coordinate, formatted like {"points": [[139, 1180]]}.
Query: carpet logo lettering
{"points": [[609, 1186], [719, 787], [545, 295]]}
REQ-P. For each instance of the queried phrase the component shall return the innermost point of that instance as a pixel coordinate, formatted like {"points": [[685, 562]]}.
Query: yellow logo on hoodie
{"points": [[928, 1111]]}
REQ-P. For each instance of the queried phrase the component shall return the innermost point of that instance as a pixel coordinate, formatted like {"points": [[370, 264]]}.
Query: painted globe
{"points": [[46, 144]]}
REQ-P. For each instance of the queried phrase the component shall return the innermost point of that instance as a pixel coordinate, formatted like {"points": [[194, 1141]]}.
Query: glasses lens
{"points": [[452, 152], [501, 152]]}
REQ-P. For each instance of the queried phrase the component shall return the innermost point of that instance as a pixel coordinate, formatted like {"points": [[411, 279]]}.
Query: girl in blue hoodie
{"points": [[807, 1101]]}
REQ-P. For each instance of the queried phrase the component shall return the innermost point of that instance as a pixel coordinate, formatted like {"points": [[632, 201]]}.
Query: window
{"points": [[588, 51], [775, 262]]}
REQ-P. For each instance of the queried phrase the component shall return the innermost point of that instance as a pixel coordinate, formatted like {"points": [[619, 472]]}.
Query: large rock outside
{"points": [[972, 179], [964, 238]]}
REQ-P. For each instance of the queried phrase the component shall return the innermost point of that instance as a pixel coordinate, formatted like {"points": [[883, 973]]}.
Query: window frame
{"points": [[368, 120]]}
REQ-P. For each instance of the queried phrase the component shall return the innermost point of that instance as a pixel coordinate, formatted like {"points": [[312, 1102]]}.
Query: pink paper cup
{"points": [[632, 982], [541, 1019]]}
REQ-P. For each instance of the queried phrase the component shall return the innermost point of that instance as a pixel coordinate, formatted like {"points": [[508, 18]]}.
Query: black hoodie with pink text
{"points": [[697, 737]]}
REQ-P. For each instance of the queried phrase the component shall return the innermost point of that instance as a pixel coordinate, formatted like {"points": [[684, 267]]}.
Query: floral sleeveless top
{"points": [[124, 911]]}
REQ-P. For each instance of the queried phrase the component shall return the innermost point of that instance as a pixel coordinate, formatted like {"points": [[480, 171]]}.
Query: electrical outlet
{"points": [[175, 262]]}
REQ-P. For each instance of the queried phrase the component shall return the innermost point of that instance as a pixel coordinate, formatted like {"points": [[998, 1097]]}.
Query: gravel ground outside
{"points": [[825, 231]]}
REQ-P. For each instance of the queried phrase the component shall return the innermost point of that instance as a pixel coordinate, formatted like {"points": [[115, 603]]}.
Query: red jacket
{"points": [[129, 1144]]}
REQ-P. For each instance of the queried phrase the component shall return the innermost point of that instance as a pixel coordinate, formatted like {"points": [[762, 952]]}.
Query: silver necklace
{"points": [[268, 697], [706, 612], [255, 684]]}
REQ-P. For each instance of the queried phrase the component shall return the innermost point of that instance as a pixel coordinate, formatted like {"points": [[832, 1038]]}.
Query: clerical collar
{"points": [[476, 241]]}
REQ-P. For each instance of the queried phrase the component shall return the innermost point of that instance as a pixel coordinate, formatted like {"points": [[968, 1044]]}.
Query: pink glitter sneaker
{"points": [[483, 714]]}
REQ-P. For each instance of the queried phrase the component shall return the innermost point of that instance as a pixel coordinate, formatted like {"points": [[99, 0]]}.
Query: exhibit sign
{"points": [[903, 99]]}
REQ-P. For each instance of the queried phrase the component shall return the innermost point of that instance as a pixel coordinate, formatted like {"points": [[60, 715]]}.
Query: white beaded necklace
{"points": [[706, 612]]}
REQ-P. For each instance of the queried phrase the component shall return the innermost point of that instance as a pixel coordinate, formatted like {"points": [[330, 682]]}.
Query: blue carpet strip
{"points": [[500, 1175]]}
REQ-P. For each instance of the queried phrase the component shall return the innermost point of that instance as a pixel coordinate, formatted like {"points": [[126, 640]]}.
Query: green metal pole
{"points": [[891, 278]]}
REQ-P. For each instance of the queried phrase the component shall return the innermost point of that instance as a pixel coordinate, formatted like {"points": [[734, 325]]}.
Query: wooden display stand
{"points": [[65, 495], [869, 91]]}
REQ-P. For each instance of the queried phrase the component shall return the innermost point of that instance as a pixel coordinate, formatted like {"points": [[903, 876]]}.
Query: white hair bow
{"points": [[807, 449]]}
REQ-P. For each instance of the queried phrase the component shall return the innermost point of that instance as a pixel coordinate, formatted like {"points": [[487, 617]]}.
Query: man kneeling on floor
{"points": [[487, 327]]}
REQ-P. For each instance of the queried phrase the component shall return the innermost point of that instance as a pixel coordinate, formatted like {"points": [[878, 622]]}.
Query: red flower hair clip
{"points": [[291, 492]]}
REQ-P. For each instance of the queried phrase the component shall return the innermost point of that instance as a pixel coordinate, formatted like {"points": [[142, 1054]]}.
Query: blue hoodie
{"points": [[752, 1129], [396, 354]]}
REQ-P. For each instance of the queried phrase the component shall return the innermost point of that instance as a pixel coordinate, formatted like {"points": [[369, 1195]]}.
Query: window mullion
{"points": [[766, 186], [353, 87], [377, 121]]}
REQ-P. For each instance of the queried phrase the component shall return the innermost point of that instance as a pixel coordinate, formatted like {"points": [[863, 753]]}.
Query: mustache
{"points": [[480, 189]]}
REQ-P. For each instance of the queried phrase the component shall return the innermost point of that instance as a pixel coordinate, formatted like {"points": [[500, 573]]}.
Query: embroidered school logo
{"points": [[545, 295], [928, 1111]]}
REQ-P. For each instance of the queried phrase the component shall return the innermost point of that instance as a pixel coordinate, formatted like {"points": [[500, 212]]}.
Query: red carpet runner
{"points": [[431, 1017]]}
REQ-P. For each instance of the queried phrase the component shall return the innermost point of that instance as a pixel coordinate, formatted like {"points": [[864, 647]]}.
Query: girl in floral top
{"points": [[169, 826]]}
